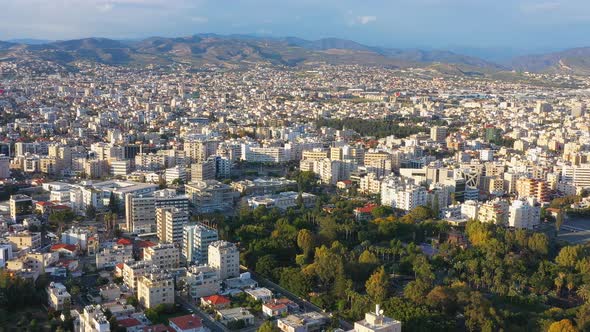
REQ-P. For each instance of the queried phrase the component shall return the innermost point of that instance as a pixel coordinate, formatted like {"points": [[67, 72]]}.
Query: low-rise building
{"points": [[233, 317], [376, 322], [187, 323], [58, 297]]}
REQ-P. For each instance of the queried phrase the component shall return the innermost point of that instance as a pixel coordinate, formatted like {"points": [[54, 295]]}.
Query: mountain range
{"points": [[239, 50]]}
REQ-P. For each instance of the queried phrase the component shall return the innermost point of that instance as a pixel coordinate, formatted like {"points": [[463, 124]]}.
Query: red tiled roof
{"points": [[124, 242], [44, 203], [128, 322], [275, 306], [69, 247], [217, 299], [145, 244], [366, 209], [120, 266], [187, 322]]}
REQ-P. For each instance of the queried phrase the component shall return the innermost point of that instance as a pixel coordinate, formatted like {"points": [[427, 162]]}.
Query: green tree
{"points": [[564, 325], [381, 211], [368, 258], [568, 256], [378, 285], [132, 300], [90, 212], [268, 326], [265, 265], [539, 244]]}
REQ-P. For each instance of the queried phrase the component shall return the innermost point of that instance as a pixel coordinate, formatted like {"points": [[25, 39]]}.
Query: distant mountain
{"points": [[238, 50], [573, 61], [30, 41]]}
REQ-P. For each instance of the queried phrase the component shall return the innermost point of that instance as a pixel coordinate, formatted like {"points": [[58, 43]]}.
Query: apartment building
{"points": [[170, 222], [195, 243], [155, 288], [58, 297], [163, 255], [225, 257]]}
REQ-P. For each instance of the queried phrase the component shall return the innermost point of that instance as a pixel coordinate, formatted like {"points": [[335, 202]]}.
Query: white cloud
{"points": [[540, 7], [105, 7], [366, 19], [200, 19]]}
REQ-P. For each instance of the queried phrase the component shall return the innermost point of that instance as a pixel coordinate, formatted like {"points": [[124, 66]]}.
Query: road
{"points": [[209, 322], [306, 305]]}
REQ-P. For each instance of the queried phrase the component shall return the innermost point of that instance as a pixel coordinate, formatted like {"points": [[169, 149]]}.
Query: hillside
{"points": [[233, 50], [572, 61]]}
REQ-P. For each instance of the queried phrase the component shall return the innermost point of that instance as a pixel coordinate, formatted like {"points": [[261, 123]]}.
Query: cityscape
{"points": [[235, 182]]}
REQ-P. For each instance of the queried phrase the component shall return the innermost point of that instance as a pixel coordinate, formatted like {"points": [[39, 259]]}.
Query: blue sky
{"points": [[517, 24]]}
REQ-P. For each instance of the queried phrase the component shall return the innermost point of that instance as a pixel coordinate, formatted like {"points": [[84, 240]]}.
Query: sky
{"points": [[529, 25]]}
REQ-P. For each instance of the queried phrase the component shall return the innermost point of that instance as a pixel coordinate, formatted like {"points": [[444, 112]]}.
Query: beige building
{"points": [[203, 171], [163, 255], [140, 214], [170, 221], [132, 271], [24, 240], [201, 281], [225, 257], [154, 288], [113, 255], [58, 296]]}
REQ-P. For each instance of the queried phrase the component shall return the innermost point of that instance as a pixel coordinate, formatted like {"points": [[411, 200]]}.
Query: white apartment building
{"points": [[120, 167], [401, 194], [195, 243], [524, 214], [174, 173], [58, 297], [282, 200], [202, 281], [92, 319], [579, 176], [225, 257]]}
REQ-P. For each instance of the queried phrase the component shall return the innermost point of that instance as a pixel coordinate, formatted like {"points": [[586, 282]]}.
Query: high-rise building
{"points": [[195, 243], [21, 206], [203, 171], [438, 134], [4, 166], [225, 257], [170, 221], [140, 213], [140, 210], [536, 188]]}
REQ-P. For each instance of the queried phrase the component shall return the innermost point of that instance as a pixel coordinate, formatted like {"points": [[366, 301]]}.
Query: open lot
{"points": [[575, 230]]}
